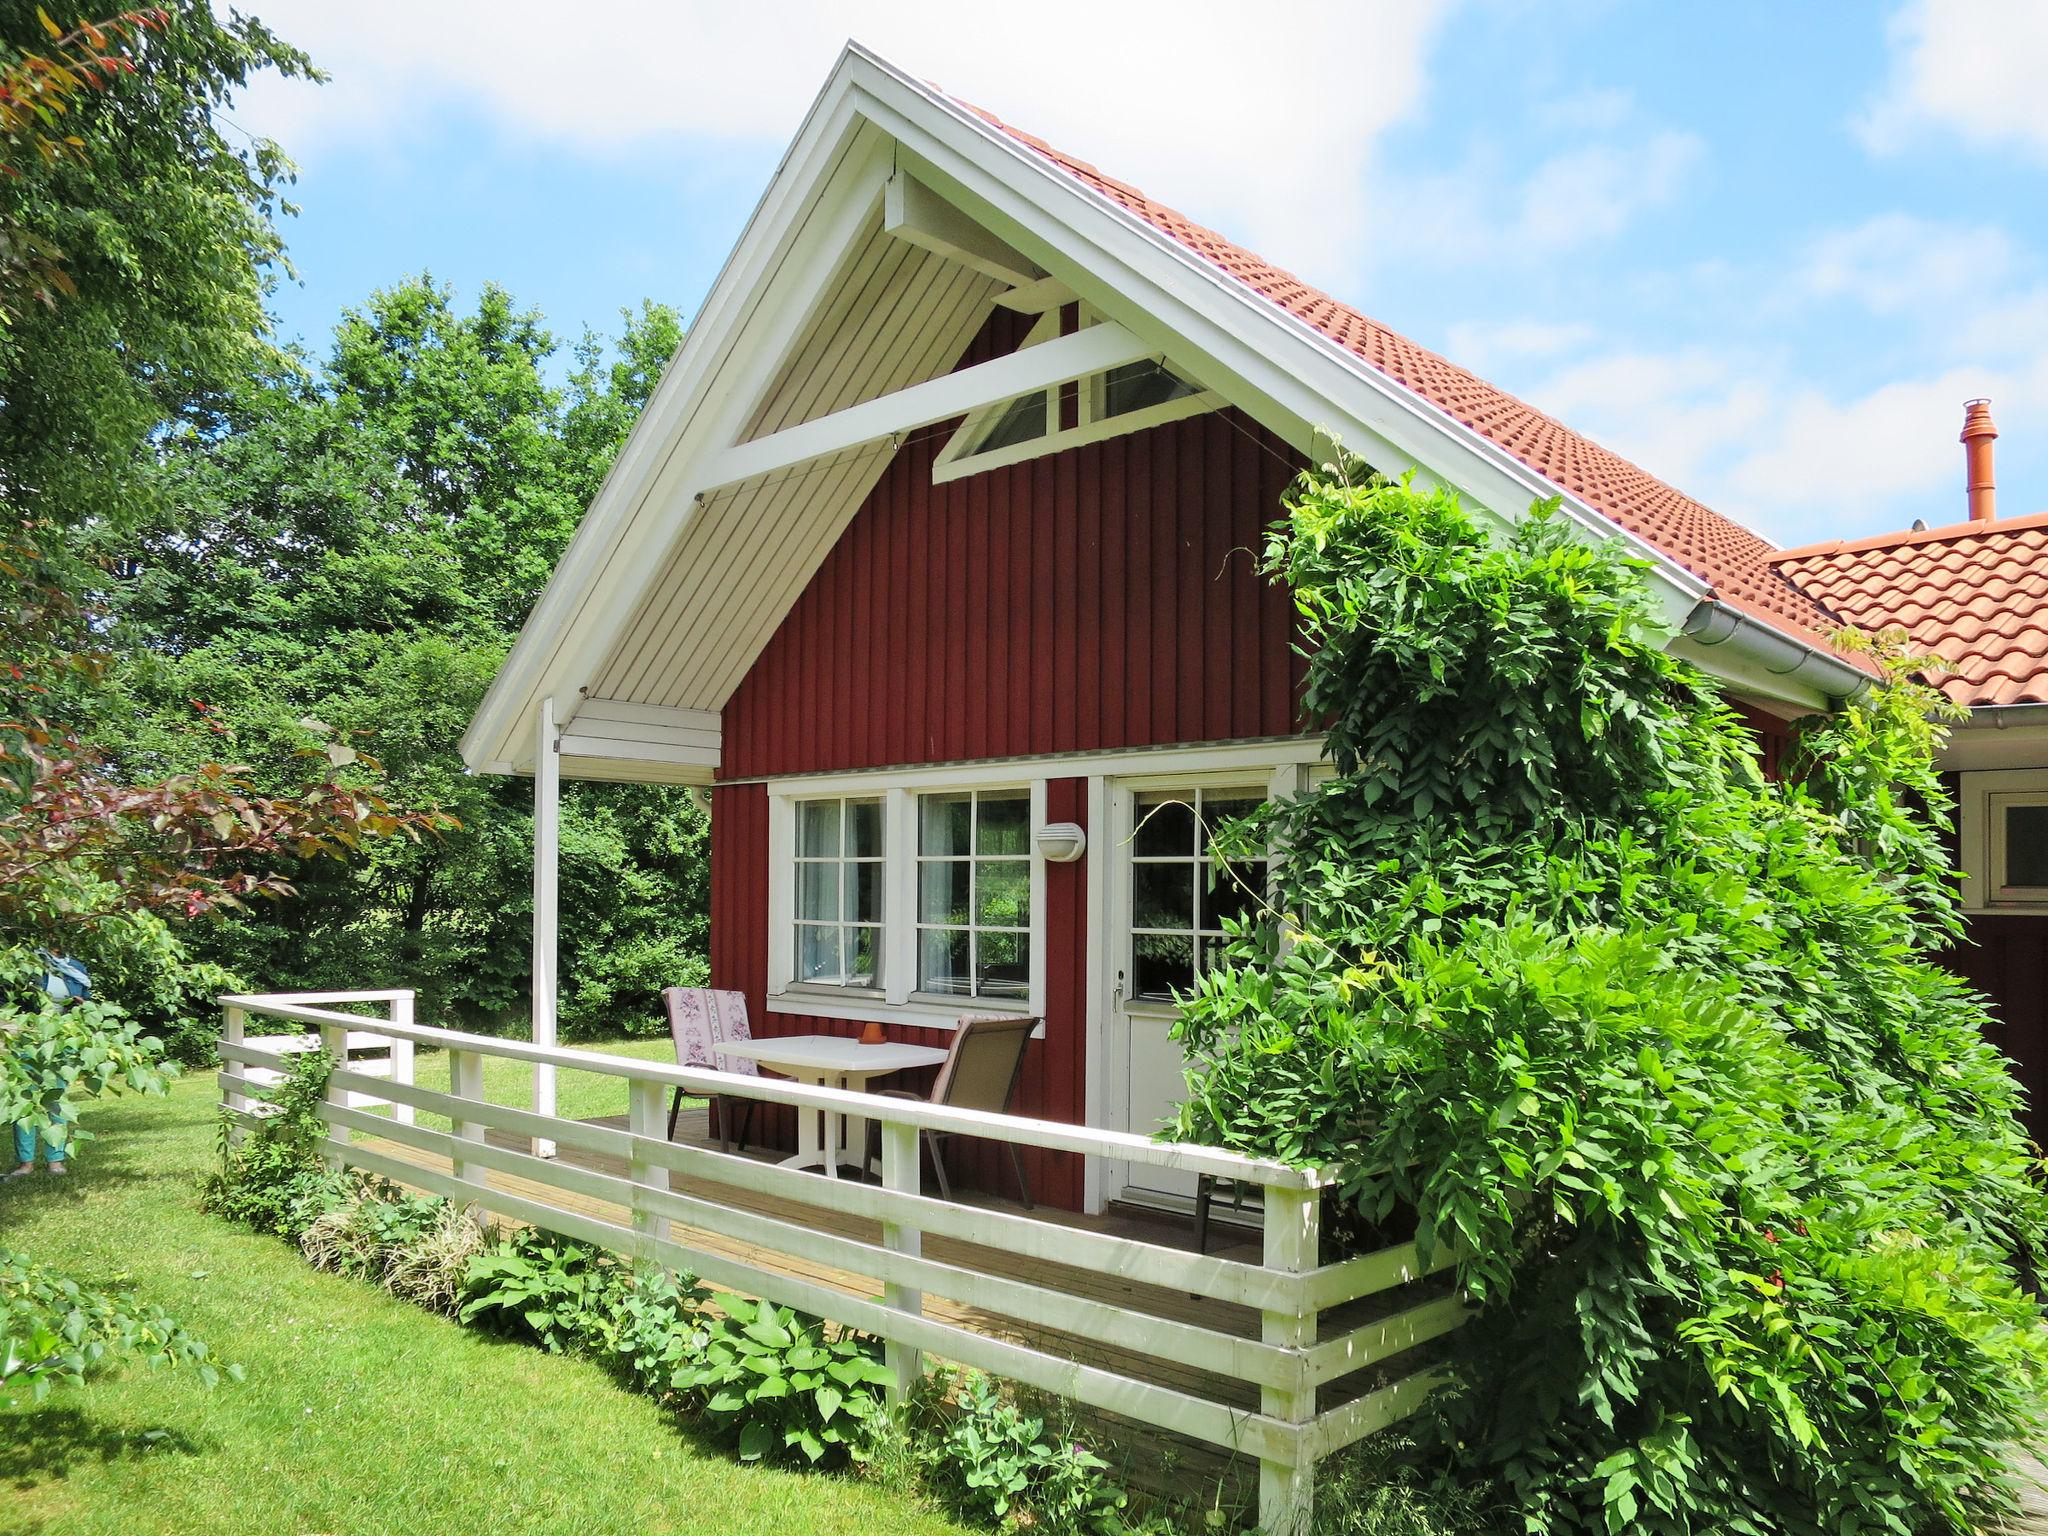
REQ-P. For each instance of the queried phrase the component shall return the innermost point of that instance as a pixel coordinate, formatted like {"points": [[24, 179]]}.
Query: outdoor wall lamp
{"points": [[1061, 842]]}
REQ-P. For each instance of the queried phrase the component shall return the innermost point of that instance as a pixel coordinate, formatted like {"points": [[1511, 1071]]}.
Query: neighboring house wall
{"points": [[2005, 956], [1097, 599]]}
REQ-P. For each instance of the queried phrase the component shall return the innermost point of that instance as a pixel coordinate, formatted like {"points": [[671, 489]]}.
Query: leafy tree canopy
{"points": [[1664, 1046], [357, 537]]}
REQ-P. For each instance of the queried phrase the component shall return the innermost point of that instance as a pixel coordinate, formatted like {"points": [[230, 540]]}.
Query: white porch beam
{"points": [[912, 211], [1036, 298], [547, 846], [954, 394]]}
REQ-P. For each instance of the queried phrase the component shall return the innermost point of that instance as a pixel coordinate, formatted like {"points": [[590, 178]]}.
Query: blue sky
{"points": [[1764, 250]]}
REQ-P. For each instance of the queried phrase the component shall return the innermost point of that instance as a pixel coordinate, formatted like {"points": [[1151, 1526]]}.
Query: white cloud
{"points": [[1485, 345], [1898, 263], [1268, 129], [1973, 68]]}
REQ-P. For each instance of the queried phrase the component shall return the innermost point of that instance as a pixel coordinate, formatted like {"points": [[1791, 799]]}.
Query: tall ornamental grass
{"points": [[1552, 971]]}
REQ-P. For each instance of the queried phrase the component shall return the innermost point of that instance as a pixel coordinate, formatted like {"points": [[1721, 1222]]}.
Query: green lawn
{"points": [[578, 1095], [360, 1415]]}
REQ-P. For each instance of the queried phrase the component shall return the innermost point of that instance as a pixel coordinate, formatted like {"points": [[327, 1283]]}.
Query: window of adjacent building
{"points": [[838, 906], [2020, 833], [974, 894], [1180, 897]]}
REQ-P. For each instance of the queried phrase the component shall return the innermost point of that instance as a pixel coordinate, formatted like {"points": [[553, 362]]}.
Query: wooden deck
{"points": [[1147, 1462]]}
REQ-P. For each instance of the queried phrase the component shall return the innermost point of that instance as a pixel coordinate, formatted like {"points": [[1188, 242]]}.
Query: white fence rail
{"points": [[1299, 1351]]}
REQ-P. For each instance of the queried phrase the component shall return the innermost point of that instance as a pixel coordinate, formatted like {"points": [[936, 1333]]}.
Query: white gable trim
{"points": [[1280, 370]]}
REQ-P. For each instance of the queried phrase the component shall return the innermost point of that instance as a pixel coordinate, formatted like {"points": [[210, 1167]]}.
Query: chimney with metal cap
{"points": [[1978, 435]]}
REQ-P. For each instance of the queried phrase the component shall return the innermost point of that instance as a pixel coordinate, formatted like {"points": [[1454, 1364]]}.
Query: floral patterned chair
{"points": [[698, 1019]]}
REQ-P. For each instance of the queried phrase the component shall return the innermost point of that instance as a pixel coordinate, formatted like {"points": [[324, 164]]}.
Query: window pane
{"points": [[1021, 422], [817, 953], [1005, 964], [817, 829], [1166, 828], [864, 829], [1232, 891], [1221, 812], [1002, 893], [863, 893], [2026, 845], [1161, 962], [942, 892], [1162, 895], [942, 962], [863, 956], [1003, 824], [1135, 386], [817, 891], [943, 822]]}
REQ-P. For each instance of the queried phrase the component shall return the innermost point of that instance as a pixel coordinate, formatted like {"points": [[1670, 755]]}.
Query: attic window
{"points": [[1140, 386], [1128, 398], [1022, 420]]}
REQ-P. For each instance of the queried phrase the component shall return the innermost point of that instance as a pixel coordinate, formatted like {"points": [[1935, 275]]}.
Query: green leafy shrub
{"points": [[652, 1330], [1382, 1487], [996, 1464], [60, 1053], [781, 1383], [270, 1174], [538, 1285], [374, 1227], [1666, 1045], [431, 1270]]}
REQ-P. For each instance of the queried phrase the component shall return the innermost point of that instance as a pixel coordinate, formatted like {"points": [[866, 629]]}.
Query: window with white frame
{"points": [[1180, 896], [2019, 846], [839, 874], [1127, 398], [974, 894]]}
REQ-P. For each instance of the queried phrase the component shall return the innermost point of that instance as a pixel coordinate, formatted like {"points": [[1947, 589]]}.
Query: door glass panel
{"points": [[1232, 891], [1161, 964], [1219, 813], [1162, 895], [1166, 828]]}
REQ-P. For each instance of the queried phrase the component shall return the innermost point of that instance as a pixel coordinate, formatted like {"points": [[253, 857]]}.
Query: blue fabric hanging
{"points": [[64, 979]]}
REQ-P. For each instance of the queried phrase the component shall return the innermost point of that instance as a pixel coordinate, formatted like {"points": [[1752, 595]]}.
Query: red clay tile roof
{"points": [[1734, 561], [1976, 593]]}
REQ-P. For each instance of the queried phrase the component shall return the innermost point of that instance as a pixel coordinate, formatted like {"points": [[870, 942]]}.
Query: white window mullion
{"points": [[1036, 985], [899, 894]]}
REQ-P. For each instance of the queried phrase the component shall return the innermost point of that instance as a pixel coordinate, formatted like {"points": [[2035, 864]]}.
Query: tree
{"points": [[358, 538], [1664, 1047]]}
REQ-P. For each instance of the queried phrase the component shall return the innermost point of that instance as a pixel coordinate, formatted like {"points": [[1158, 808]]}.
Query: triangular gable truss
{"points": [[895, 224]]}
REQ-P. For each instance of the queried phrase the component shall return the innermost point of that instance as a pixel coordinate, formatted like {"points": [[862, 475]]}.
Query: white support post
{"points": [[1293, 1238], [547, 842], [901, 1171], [334, 1041], [466, 1081], [644, 1117], [233, 1027], [401, 1055]]}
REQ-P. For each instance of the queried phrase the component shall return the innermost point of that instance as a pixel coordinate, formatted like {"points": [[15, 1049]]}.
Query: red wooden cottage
{"points": [[930, 559]]}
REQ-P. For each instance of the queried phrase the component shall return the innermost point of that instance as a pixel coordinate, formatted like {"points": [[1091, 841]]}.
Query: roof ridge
{"points": [[1946, 534]]}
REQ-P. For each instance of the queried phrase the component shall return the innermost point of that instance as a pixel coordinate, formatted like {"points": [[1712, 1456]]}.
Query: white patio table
{"points": [[830, 1061]]}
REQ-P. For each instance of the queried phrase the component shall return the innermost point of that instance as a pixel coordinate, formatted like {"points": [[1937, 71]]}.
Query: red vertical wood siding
{"points": [[1093, 600], [2005, 956]]}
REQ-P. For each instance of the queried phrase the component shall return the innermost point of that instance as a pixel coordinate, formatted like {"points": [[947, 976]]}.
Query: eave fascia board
{"points": [[1284, 371], [595, 568]]}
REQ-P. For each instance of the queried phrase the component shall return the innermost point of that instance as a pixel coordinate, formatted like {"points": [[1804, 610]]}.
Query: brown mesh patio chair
{"points": [[699, 1019], [980, 1071]]}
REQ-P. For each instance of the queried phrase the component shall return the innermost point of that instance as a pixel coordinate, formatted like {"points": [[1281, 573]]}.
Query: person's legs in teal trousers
{"points": [[53, 1140]]}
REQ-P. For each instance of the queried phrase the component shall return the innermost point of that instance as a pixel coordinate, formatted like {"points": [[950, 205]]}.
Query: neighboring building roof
{"points": [[1735, 561], [1975, 594]]}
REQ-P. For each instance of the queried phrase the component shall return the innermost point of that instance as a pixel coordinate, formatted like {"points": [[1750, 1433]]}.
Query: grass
{"points": [[359, 1414], [578, 1095]]}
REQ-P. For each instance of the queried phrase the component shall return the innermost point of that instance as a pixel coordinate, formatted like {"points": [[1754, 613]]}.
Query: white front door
{"points": [[1165, 919]]}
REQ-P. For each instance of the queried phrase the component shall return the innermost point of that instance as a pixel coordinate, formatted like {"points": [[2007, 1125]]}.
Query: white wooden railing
{"points": [[1299, 1352]]}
